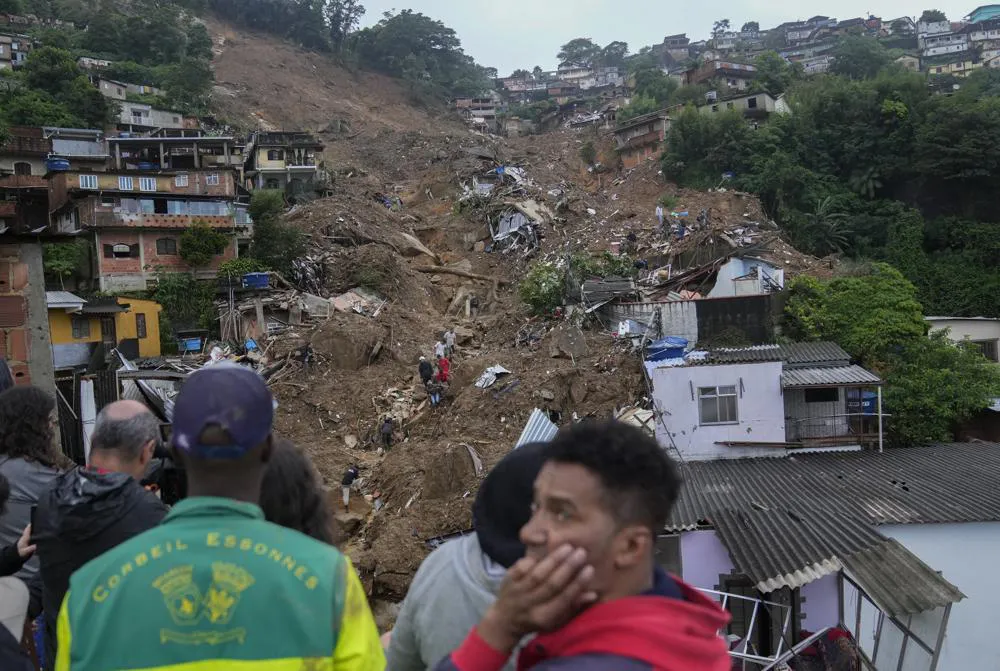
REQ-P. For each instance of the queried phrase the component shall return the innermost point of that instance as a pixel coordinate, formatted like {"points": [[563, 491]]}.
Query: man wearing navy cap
{"points": [[215, 586]]}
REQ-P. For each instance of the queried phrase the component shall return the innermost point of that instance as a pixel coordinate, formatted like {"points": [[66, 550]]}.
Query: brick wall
{"points": [[108, 266], [149, 259], [24, 333]]}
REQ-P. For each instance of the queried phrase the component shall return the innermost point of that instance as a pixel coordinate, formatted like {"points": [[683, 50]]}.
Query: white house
{"points": [[983, 332], [757, 104], [896, 548], [766, 400]]}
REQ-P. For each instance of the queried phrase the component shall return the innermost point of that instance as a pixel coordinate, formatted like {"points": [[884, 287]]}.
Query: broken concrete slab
{"points": [[316, 306]]}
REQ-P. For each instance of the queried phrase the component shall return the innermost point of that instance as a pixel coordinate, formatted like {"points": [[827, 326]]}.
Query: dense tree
{"points": [[537, 72], [774, 73], [424, 52], [275, 243], [859, 57], [719, 27], [342, 17], [933, 16], [750, 27], [580, 51], [200, 243], [520, 73], [614, 55], [930, 383]]}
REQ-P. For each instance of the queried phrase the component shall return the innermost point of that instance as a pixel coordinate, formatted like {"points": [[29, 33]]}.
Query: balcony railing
{"points": [[832, 430]]}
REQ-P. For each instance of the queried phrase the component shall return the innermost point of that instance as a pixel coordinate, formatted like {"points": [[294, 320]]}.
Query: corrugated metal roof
{"points": [[63, 299], [899, 581], [792, 378], [941, 483], [539, 429], [758, 353], [794, 355]]}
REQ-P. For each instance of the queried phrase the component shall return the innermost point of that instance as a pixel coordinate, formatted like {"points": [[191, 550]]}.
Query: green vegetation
{"points": [[187, 303], [201, 243], [876, 167], [64, 259], [543, 287], [275, 244], [931, 384], [237, 268], [423, 52], [588, 154]]}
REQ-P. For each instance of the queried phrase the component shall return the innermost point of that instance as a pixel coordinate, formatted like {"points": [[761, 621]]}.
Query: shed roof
{"points": [[789, 521], [830, 376], [63, 299]]}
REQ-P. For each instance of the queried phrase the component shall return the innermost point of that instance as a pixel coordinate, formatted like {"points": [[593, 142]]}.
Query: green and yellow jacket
{"points": [[217, 587]]}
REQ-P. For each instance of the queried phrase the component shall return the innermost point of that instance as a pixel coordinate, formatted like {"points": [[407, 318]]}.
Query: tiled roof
{"points": [[789, 521], [800, 378]]}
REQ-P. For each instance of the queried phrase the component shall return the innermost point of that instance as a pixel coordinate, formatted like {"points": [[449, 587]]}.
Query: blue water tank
{"points": [[56, 164], [255, 281], [145, 165]]}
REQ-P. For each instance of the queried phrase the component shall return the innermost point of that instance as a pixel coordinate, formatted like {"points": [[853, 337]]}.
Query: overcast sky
{"points": [[510, 34]]}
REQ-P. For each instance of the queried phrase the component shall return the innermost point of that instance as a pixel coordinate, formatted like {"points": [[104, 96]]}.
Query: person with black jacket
{"points": [[13, 594], [90, 510]]}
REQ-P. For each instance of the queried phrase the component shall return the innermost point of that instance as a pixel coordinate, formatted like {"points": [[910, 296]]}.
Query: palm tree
{"points": [[826, 230], [866, 183]]}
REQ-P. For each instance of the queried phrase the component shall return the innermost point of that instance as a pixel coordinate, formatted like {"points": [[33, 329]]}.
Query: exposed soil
{"points": [[365, 367]]}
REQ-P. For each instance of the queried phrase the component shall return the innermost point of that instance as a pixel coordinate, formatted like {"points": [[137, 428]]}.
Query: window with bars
{"points": [[181, 180], [125, 184], [88, 181], [81, 327], [717, 405], [212, 179], [140, 325], [166, 246], [147, 184]]}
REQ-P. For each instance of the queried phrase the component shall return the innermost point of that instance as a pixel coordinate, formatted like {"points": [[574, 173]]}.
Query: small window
{"points": [[729, 106], [822, 395], [752, 103], [81, 327], [121, 92], [147, 184], [121, 251], [22, 168], [108, 201], [274, 155], [181, 180], [717, 405], [140, 325], [177, 119], [715, 108], [125, 184], [166, 247], [88, 182], [212, 179]]}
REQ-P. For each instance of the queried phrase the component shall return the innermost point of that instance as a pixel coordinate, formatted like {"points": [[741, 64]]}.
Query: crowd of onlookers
{"points": [[243, 573]]}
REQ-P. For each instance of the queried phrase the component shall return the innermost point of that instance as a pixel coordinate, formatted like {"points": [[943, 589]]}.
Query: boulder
{"points": [[567, 342]]}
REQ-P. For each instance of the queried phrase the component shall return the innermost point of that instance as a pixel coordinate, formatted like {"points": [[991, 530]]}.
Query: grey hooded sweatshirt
{"points": [[448, 596]]}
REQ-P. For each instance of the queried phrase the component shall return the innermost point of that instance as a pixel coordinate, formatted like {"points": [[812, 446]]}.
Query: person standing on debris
{"points": [[386, 431], [292, 495], [346, 483], [589, 581], [449, 342], [215, 585], [659, 214], [434, 390], [87, 511], [457, 582], [426, 370], [443, 370], [439, 349]]}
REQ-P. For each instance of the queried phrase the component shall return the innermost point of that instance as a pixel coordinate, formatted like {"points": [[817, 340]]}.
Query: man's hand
{"points": [[24, 547], [538, 596]]}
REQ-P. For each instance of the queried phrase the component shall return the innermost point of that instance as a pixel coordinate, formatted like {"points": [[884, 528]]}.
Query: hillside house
{"points": [[82, 148], [983, 332], [167, 149], [286, 160], [14, 50], [640, 139], [135, 220], [904, 25], [677, 46], [735, 75], [895, 548], [116, 90], [88, 63], [757, 106], [767, 400], [480, 111], [909, 62], [78, 327], [943, 43], [141, 118], [24, 153], [984, 13], [927, 28]]}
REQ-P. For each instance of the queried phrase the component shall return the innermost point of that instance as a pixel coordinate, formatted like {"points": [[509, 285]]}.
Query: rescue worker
{"points": [[215, 586]]}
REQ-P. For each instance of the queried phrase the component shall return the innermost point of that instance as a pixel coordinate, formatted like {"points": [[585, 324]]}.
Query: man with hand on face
{"points": [[589, 583]]}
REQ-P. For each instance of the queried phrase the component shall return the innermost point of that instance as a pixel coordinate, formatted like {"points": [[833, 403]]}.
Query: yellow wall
{"points": [[61, 328], [264, 164], [126, 327]]}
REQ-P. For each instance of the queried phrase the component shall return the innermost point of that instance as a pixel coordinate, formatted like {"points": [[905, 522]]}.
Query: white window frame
{"points": [[89, 182], [181, 180], [149, 182], [125, 183], [720, 395], [212, 179]]}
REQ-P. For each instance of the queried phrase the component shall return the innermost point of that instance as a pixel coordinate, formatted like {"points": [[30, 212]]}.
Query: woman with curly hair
{"points": [[292, 493], [29, 461]]}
